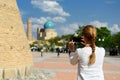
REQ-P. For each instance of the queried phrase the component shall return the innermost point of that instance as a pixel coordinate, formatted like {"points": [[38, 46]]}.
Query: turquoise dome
{"points": [[49, 24]]}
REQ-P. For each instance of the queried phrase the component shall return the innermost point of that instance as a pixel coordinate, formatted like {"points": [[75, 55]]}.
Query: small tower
{"points": [[29, 30]]}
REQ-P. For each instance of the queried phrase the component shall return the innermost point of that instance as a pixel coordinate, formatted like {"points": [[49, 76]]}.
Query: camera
{"points": [[77, 39]]}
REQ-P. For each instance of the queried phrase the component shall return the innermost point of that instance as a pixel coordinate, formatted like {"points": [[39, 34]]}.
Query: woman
{"points": [[89, 58]]}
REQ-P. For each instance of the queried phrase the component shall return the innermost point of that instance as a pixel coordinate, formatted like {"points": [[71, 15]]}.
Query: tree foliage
{"points": [[103, 37], [115, 40], [79, 31]]}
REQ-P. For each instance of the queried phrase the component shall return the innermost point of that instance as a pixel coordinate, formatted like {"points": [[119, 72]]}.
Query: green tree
{"points": [[79, 31], [103, 37], [115, 41], [67, 37], [103, 32]]}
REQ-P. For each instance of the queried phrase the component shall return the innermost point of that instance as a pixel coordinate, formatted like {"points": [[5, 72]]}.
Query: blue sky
{"points": [[68, 14]]}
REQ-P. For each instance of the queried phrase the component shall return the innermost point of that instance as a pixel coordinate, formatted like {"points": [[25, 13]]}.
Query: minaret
{"points": [[38, 33], [29, 30], [15, 55]]}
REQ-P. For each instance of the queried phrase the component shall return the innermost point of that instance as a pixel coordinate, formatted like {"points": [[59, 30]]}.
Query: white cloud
{"points": [[42, 20], [35, 26], [99, 24], [50, 6], [70, 29], [59, 19], [115, 28]]}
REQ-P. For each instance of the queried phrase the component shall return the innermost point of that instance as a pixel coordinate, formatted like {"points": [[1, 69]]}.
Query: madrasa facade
{"points": [[47, 32]]}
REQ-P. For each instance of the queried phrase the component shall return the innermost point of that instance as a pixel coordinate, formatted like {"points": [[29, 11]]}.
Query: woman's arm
{"points": [[73, 55], [73, 58]]}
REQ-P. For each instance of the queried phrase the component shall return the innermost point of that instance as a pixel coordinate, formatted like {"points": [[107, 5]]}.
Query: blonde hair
{"points": [[90, 34]]}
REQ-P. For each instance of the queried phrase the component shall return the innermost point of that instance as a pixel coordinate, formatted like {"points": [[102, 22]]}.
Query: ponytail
{"points": [[92, 56], [89, 32]]}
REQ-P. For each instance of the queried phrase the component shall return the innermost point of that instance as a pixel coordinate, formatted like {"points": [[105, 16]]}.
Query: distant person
{"points": [[58, 52], [42, 52], [110, 52], [89, 58], [116, 52]]}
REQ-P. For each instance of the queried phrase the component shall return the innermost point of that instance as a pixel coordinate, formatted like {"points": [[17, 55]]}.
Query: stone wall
{"points": [[15, 55]]}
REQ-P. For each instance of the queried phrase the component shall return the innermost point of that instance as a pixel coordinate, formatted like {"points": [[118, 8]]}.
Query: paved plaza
{"points": [[63, 70]]}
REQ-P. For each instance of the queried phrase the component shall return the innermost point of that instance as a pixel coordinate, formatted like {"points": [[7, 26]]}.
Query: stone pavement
{"points": [[65, 71]]}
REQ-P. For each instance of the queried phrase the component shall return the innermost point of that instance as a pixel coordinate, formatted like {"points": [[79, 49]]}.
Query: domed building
{"points": [[47, 32]]}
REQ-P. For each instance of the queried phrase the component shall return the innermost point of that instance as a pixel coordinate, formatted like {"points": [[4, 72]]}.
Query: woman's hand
{"points": [[71, 46], [83, 40]]}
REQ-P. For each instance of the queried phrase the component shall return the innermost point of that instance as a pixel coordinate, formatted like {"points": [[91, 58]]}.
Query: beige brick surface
{"points": [[1, 73], [10, 73], [28, 70], [14, 48], [21, 72]]}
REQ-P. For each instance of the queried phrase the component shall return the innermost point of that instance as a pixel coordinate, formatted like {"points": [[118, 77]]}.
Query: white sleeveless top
{"points": [[85, 71]]}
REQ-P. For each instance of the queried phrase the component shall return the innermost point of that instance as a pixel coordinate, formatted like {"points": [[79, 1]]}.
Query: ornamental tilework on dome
{"points": [[49, 24]]}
